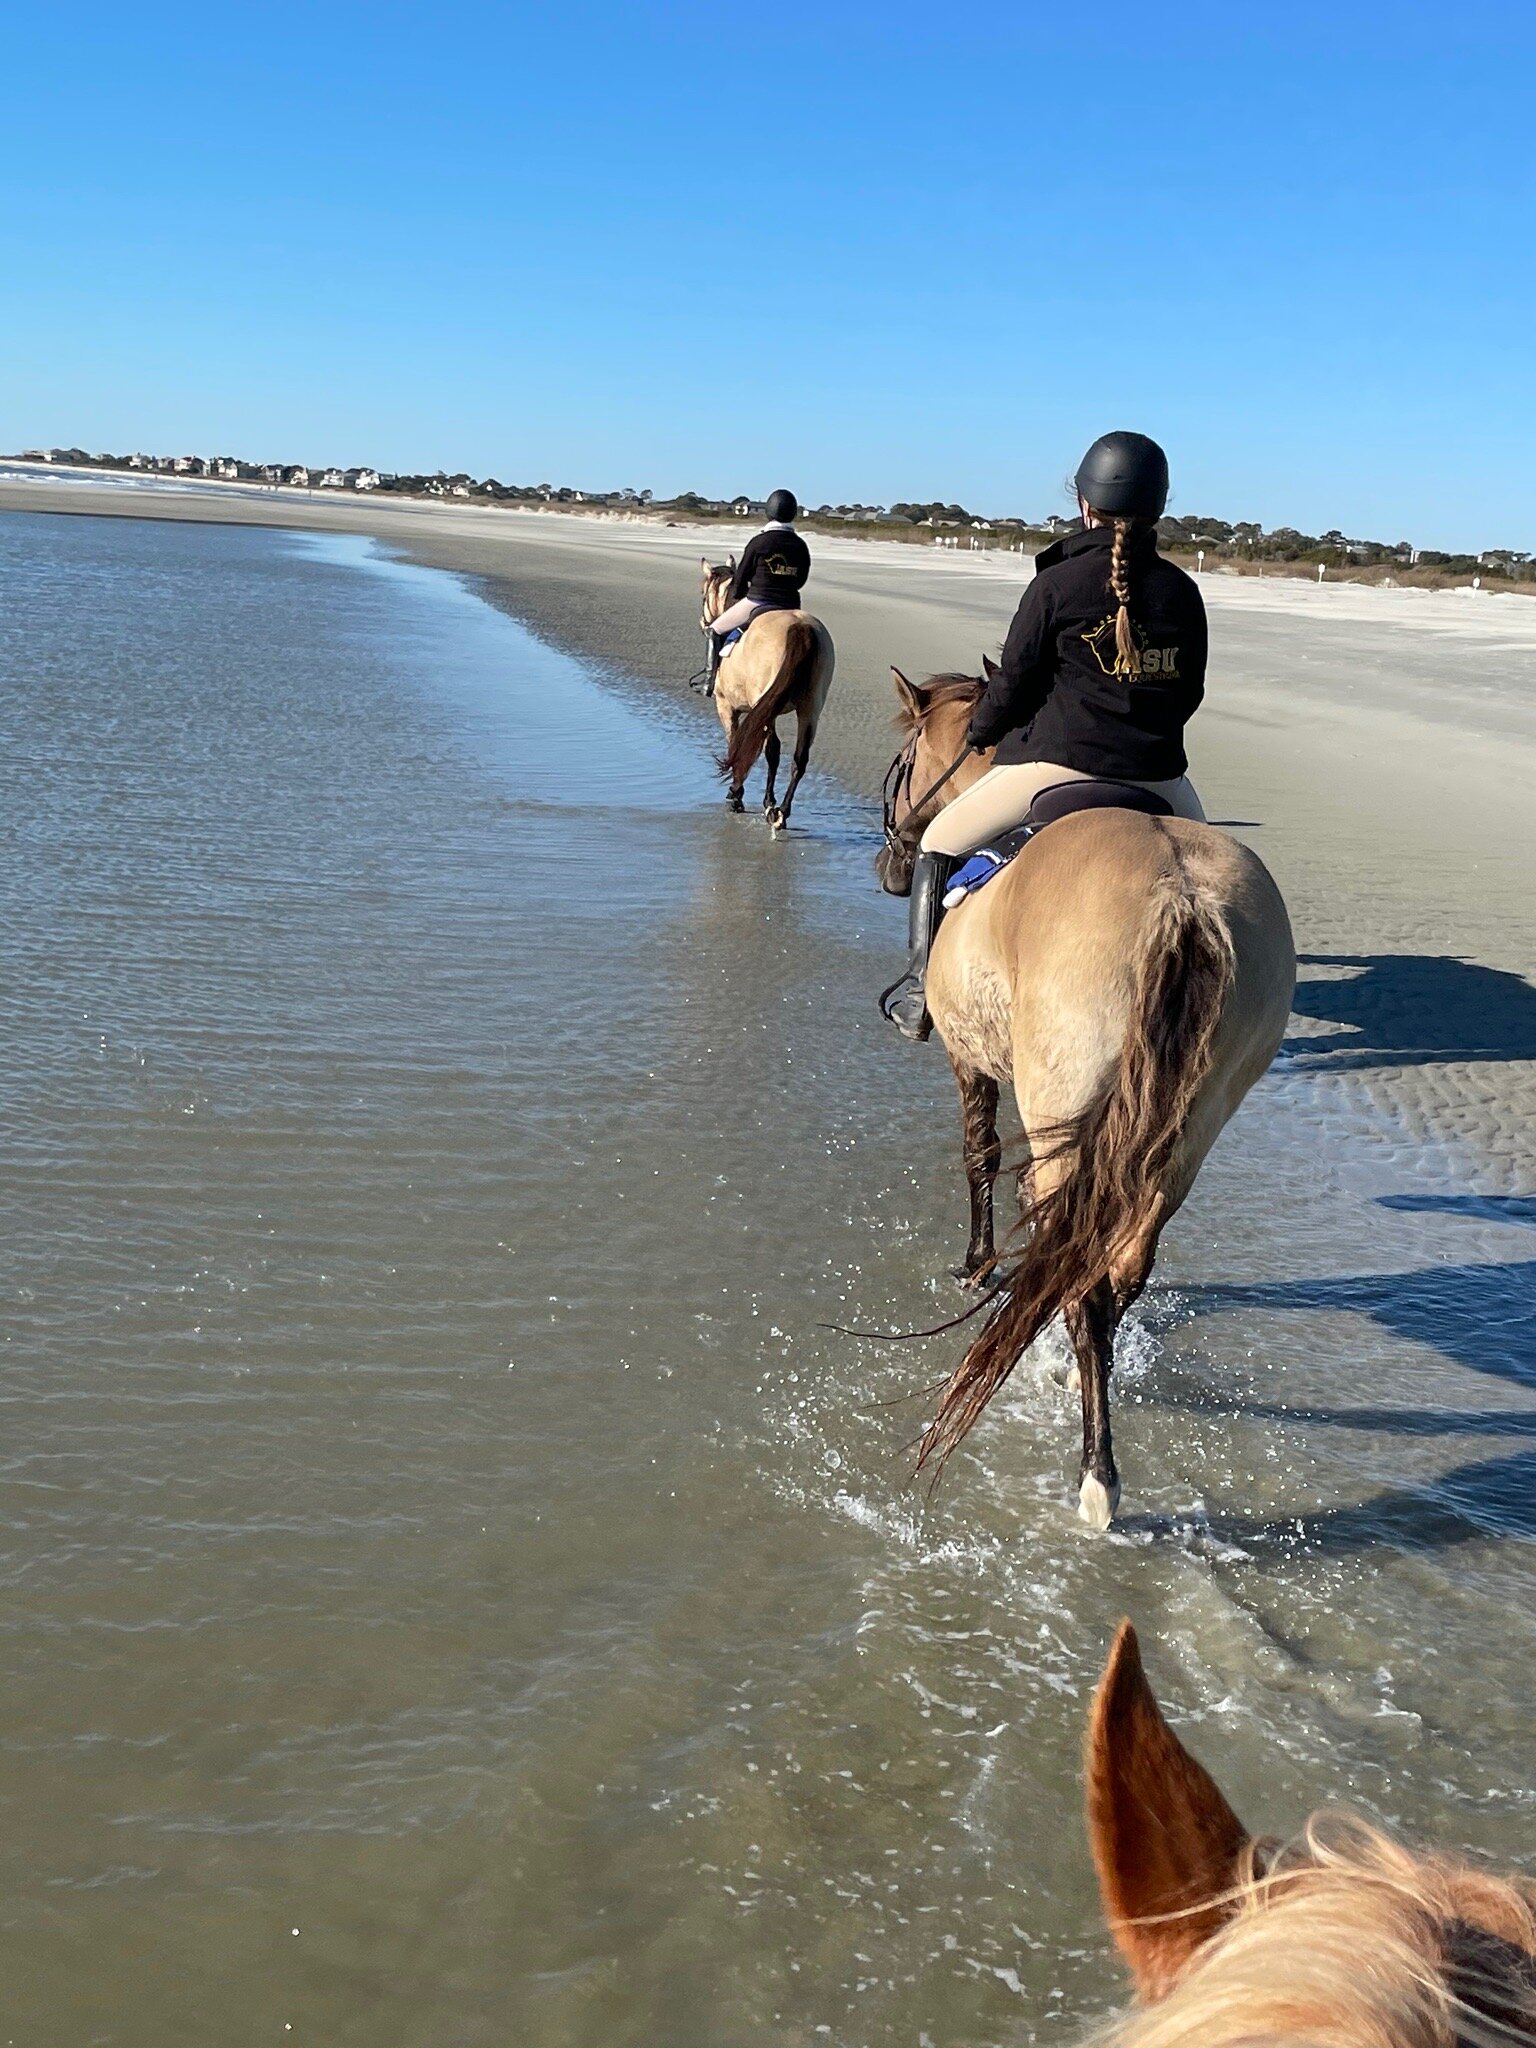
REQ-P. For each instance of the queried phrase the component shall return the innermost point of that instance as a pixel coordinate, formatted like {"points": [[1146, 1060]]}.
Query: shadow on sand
{"points": [[1414, 1009], [1483, 1317]]}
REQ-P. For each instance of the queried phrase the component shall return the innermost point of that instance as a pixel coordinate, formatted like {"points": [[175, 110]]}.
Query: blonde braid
{"points": [[1127, 653]]}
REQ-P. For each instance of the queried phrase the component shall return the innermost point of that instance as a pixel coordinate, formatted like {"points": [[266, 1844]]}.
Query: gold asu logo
{"points": [[779, 565], [1162, 662]]}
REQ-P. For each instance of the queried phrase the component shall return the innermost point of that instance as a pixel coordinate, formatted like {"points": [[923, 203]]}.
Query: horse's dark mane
{"points": [[936, 693]]}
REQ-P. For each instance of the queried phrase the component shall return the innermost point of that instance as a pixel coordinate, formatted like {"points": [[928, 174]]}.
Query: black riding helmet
{"points": [[1124, 476], [782, 506]]}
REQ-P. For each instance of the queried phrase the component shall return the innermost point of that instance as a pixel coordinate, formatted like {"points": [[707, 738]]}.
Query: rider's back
{"points": [[1058, 696], [773, 569]]}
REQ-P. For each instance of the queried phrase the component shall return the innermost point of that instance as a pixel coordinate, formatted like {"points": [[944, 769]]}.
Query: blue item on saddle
{"points": [[1059, 800], [979, 868], [728, 640]]}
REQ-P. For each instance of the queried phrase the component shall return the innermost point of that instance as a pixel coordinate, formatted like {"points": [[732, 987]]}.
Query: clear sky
{"points": [[870, 252]]}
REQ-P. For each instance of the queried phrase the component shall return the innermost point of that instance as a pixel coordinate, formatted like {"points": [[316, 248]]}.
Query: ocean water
{"points": [[454, 1588]]}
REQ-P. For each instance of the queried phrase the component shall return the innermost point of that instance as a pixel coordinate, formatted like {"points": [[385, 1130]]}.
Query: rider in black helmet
{"points": [[1103, 665], [771, 574]]}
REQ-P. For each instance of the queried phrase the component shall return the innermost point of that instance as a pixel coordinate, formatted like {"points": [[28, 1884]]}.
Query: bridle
{"points": [[700, 677], [898, 785], [719, 572]]}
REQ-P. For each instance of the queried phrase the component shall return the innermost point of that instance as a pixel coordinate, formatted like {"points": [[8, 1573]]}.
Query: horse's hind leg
{"points": [[983, 1156], [1091, 1325], [772, 752], [804, 735], [735, 795]]}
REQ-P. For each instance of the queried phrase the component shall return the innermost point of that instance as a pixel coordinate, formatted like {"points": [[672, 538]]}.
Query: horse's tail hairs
{"points": [[912, 1336], [1115, 1154]]}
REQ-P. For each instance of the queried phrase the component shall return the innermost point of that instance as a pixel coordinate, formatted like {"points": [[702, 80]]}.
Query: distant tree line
{"points": [[1243, 543]]}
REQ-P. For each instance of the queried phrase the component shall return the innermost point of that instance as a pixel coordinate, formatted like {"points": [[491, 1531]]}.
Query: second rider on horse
{"points": [[770, 576], [1103, 665]]}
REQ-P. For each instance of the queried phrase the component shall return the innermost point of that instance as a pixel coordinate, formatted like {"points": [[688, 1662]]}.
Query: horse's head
{"points": [[932, 718], [714, 582], [1341, 1935]]}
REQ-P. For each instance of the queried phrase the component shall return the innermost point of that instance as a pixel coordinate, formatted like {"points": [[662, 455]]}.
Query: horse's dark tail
{"points": [[1118, 1151], [797, 672]]}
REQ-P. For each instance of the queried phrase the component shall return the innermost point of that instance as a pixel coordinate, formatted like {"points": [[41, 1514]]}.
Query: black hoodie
{"points": [[1057, 697], [773, 567]]}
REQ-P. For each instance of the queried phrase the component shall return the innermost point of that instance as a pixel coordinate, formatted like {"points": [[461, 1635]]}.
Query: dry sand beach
{"points": [[1378, 747]]}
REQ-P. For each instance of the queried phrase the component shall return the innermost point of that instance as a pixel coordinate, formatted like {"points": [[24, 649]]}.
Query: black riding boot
{"points": [[904, 1003], [711, 663]]}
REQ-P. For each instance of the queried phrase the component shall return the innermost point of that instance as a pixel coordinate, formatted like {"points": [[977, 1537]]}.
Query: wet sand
{"points": [[1378, 748]]}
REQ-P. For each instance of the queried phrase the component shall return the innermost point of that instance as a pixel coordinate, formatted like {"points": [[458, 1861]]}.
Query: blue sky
{"points": [[904, 251]]}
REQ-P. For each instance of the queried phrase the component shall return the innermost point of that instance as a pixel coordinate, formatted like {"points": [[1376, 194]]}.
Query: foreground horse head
{"points": [[931, 719], [1341, 1937], [1132, 977]]}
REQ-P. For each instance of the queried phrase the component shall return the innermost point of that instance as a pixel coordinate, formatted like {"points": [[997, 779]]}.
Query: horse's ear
{"points": [[910, 694], [731, 563], [989, 667], [1165, 1841]]}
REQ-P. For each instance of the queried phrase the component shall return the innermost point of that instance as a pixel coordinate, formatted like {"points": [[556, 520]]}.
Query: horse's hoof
{"points": [[1096, 1502], [971, 1279], [1069, 1378], [776, 820], [734, 803]]}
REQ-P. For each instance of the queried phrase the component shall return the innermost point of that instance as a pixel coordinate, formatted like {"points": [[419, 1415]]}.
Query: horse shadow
{"points": [[1478, 1502], [1413, 1009], [1481, 1315]]}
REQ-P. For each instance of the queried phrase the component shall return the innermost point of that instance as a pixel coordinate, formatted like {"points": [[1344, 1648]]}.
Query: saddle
{"points": [[1059, 800], [728, 640]]}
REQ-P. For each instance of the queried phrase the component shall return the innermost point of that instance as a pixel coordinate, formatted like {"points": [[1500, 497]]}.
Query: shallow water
{"points": [[455, 1588]]}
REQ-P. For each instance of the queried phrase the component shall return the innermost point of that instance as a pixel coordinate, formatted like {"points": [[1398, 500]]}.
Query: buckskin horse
{"points": [[1341, 1936], [781, 664], [1131, 976]]}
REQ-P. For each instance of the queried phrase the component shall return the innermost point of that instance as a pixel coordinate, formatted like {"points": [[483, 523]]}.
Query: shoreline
{"points": [[1377, 748]]}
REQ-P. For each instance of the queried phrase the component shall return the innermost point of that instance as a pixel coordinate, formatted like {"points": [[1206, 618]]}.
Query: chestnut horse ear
{"points": [[989, 667], [1164, 1840], [909, 692]]}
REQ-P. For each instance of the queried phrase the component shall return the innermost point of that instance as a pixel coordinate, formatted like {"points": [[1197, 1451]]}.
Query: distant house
{"points": [[226, 466], [363, 479], [299, 476], [141, 462], [459, 490], [333, 480], [183, 464]]}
